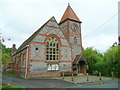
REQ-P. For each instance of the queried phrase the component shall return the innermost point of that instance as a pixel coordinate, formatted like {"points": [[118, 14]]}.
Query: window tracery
{"points": [[52, 49]]}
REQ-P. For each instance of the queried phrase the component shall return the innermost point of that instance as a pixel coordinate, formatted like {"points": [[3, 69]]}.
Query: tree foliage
{"points": [[92, 57], [111, 58], [107, 63], [6, 54]]}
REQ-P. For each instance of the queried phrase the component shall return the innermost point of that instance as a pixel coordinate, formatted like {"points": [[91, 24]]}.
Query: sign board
{"points": [[53, 67]]}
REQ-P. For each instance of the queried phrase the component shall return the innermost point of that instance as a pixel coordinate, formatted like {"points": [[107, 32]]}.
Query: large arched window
{"points": [[52, 48]]}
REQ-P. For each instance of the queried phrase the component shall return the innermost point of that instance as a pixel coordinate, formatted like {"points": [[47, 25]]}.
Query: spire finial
{"points": [[68, 4]]}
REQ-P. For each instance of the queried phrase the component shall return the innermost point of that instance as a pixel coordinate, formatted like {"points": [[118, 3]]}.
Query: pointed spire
{"points": [[69, 14]]}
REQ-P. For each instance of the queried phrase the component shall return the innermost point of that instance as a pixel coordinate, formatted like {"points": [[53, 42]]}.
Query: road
{"points": [[51, 83], [108, 85], [35, 83]]}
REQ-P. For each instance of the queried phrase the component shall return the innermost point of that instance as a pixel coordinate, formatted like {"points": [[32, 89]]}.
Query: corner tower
{"points": [[70, 25]]}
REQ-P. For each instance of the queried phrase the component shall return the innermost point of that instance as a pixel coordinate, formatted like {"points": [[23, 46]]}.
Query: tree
{"points": [[6, 55], [111, 57], [92, 57]]}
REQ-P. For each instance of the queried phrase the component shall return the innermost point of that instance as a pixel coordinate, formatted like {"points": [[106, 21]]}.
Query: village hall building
{"points": [[52, 49]]}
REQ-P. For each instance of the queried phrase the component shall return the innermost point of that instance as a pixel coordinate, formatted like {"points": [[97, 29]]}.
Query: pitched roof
{"points": [[69, 14], [78, 59], [26, 42]]}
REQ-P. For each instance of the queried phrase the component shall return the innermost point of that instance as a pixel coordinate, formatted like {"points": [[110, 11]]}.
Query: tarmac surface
{"points": [[35, 83], [55, 83]]}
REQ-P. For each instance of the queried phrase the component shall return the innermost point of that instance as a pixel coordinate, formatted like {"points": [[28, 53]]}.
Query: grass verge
{"points": [[10, 74], [8, 87]]}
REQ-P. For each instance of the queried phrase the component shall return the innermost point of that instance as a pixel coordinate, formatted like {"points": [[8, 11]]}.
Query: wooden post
{"points": [[112, 73], [4, 67], [87, 77], [62, 75], [72, 76], [77, 72], [100, 75]]}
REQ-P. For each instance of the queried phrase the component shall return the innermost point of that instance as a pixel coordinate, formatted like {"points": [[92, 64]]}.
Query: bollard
{"points": [[100, 75], [62, 75], [112, 73], [72, 77], [87, 77], [77, 72]]}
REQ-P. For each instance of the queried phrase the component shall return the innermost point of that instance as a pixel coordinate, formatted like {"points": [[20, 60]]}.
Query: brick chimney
{"points": [[13, 48]]}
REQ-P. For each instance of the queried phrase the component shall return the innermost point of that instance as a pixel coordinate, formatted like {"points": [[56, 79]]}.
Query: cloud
{"points": [[21, 18]]}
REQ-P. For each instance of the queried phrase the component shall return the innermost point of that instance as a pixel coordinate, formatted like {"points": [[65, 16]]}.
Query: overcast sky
{"points": [[21, 18]]}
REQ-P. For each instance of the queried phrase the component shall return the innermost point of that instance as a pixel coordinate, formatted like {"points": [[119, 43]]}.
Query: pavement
{"points": [[58, 82], [82, 79]]}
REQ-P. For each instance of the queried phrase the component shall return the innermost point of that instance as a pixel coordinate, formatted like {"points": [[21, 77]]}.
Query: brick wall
{"points": [[44, 75]]}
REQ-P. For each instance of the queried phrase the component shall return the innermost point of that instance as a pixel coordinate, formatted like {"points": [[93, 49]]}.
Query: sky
{"points": [[19, 19]]}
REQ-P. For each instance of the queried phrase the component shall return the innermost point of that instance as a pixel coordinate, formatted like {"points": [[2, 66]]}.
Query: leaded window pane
{"points": [[52, 51]]}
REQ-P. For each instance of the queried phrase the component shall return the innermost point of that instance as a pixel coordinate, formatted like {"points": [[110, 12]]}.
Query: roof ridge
{"points": [[27, 41]]}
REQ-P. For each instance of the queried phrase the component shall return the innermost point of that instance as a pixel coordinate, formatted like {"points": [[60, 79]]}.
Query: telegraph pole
{"points": [[119, 23]]}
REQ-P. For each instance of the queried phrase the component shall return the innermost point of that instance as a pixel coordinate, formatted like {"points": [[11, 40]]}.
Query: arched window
{"points": [[52, 48]]}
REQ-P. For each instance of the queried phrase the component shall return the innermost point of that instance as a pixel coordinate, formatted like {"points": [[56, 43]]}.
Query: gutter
{"points": [[26, 63]]}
